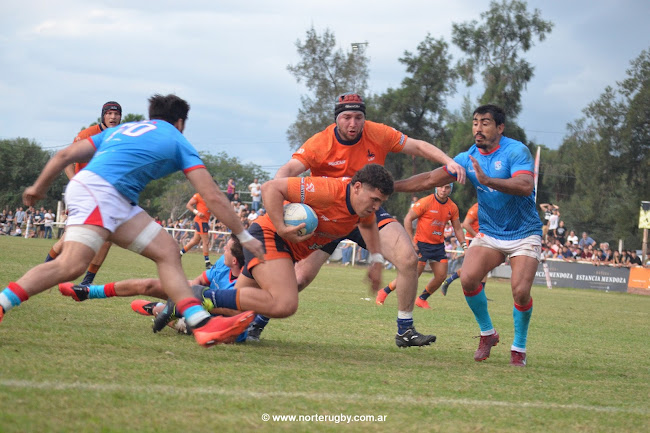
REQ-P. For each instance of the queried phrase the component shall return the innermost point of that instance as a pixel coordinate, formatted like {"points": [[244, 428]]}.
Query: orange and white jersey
{"points": [[202, 208], [325, 155], [86, 133], [330, 199], [432, 218], [472, 214]]}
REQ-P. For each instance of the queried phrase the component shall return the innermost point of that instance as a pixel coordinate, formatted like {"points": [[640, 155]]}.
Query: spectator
{"points": [[616, 259], [230, 189], [19, 216], [18, 232], [48, 221], [10, 221], [256, 194], [449, 231], [586, 241], [548, 211], [346, 253], [554, 222], [560, 233], [634, 259], [573, 238]]}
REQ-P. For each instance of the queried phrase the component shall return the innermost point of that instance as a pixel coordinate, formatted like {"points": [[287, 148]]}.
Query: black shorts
{"points": [[383, 218], [435, 252]]}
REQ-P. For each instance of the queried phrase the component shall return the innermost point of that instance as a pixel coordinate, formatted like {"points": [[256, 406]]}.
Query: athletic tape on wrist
{"points": [[376, 258], [244, 236]]}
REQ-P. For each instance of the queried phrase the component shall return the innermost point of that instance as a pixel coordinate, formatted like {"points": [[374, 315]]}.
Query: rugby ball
{"points": [[298, 213]]}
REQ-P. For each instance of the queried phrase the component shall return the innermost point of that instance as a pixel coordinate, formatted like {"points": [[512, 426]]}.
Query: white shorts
{"points": [[530, 246], [93, 201]]}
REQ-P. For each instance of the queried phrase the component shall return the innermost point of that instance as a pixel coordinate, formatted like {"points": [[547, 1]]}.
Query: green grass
{"points": [[96, 366]]}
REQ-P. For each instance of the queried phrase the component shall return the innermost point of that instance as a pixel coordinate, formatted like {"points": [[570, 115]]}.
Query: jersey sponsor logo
{"points": [[324, 218], [402, 140], [433, 210], [310, 187], [335, 163], [301, 150], [371, 156]]}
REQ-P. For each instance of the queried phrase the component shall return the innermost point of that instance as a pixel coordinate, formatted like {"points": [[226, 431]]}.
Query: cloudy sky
{"points": [[61, 60]]}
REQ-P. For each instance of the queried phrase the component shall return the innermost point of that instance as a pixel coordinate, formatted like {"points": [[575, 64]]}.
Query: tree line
{"points": [[598, 176]]}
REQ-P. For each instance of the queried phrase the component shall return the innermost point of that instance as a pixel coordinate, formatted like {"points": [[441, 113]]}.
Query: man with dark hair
{"points": [[111, 116], [270, 288], [341, 150], [102, 206], [501, 170]]}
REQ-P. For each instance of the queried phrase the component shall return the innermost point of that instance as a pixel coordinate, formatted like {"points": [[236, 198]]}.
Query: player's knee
{"points": [[406, 261], [286, 308], [151, 287]]}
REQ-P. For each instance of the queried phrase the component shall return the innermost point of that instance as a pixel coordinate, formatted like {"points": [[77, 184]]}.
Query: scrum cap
{"points": [[349, 102], [111, 105]]}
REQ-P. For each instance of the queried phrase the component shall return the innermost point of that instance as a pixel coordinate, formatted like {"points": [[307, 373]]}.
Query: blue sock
{"points": [[207, 259], [478, 304], [96, 292], [521, 317], [88, 279], [261, 321], [387, 290], [403, 325], [452, 277], [425, 295], [223, 298]]}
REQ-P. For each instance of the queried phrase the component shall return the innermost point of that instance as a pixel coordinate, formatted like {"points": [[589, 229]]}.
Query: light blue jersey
{"points": [[503, 216], [131, 155], [219, 276]]}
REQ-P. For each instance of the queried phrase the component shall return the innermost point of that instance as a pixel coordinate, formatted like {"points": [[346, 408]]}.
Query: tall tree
{"points": [[417, 108], [326, 72], [493, 47]]}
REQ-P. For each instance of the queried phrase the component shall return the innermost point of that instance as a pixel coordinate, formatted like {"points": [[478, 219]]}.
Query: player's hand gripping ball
{"points": [[298, 213]]}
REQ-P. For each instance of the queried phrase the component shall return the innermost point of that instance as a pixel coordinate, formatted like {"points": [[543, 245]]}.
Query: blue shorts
{"points": [[435, 252]]}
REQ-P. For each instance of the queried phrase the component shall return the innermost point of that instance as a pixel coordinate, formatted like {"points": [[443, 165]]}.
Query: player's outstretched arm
{"points": [[291, 169], [219, 205], [432, 153], [424, 181]]}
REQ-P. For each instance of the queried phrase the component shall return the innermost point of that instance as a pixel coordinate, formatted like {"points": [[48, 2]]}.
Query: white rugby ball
{"points": [[298, 213]]}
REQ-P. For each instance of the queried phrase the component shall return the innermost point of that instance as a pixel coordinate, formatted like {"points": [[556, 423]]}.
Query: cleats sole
{"points": [[227, 335]]}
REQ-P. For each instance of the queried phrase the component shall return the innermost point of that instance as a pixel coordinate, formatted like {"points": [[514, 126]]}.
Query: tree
{"points": [[21, 163], [611, 182], [417, 108], [493, 47], [326, 73]]}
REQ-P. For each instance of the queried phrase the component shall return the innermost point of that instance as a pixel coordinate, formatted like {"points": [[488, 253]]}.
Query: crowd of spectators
{"points": [[30, 222]]}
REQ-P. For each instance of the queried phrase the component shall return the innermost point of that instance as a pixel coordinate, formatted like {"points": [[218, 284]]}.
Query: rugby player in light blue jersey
{"points": [[102, 201], [501, 169]]}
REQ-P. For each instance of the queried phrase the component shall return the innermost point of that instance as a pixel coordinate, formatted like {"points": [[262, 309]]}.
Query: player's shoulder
{"points": [[88, 132]]}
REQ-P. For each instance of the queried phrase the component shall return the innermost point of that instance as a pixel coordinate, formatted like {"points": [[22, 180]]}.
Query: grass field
{"points": [[96, 366]]}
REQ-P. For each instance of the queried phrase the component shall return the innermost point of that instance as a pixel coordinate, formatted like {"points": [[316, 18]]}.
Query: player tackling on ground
{"points": [[501, 169]]}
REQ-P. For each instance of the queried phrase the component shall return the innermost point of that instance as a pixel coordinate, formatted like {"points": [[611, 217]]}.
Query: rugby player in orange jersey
{"points": [[340, 204], [471, 226], [201, 226], [111, 116], [342, 149], [432, 213]]}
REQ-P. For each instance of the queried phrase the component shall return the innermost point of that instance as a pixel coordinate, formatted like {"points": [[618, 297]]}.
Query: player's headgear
{"points": [[111, 105], [451, 186], [349, 102]]}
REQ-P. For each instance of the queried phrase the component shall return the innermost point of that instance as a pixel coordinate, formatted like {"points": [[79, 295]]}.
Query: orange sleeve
{"points": [[420, 206], [314, 150], [317, 192]]}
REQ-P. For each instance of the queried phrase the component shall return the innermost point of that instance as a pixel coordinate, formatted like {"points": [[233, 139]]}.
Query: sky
{"points": [[61, 60]]}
